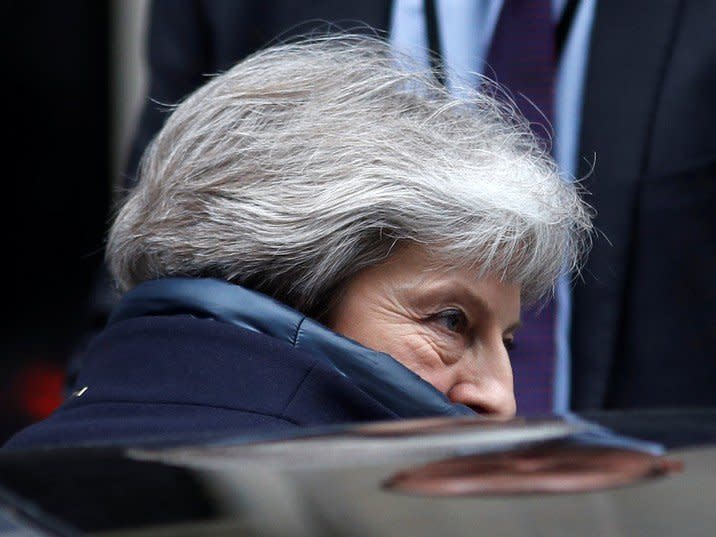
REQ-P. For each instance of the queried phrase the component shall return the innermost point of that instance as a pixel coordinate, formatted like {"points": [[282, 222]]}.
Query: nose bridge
{"points": [[484, 380], [498, 360]]}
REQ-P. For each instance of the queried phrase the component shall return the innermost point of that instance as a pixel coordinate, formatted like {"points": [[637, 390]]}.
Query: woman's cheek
{"points": [[429, 356]]}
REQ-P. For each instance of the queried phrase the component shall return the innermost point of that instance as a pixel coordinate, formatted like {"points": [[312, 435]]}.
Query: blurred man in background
{"points": [[626, 89]]}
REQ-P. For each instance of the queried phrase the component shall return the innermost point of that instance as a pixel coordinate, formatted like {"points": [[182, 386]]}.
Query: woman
{"points": [[320, 236]]}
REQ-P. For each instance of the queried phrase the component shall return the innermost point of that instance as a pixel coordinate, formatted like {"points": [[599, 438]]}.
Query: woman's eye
{"points": [[452, 319]]}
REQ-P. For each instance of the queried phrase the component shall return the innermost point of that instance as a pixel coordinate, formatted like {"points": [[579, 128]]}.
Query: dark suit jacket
{"points": [[644, 313], [644, 323]]}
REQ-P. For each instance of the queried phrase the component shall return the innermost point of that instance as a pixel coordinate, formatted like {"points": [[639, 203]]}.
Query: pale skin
{"points": [[450, 328]]}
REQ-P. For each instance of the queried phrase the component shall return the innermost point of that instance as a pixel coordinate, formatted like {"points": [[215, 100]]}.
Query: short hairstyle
{"points": [[309, 161]]}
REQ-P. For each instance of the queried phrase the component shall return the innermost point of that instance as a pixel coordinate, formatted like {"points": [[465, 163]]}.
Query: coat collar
{"points": [[377, 374]]}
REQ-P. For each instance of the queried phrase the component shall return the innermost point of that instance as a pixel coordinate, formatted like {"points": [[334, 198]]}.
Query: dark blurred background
{"points": [[71, 79]]}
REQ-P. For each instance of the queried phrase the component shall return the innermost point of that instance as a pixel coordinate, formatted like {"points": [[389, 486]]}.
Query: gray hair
{"points": [[308, 162]]}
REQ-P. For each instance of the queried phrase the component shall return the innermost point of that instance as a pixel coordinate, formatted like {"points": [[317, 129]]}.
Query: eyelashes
{"points": [[455, 321], [451, 319]]}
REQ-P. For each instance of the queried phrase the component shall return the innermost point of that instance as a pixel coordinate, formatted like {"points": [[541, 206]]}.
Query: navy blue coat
{"points": [[187, 360]]}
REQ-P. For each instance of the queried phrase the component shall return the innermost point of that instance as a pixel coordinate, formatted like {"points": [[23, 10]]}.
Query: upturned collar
{"points": [[377, 374]]}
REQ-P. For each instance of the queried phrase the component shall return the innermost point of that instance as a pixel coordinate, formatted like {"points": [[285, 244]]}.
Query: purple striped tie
{"points": [[522, 58]]}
